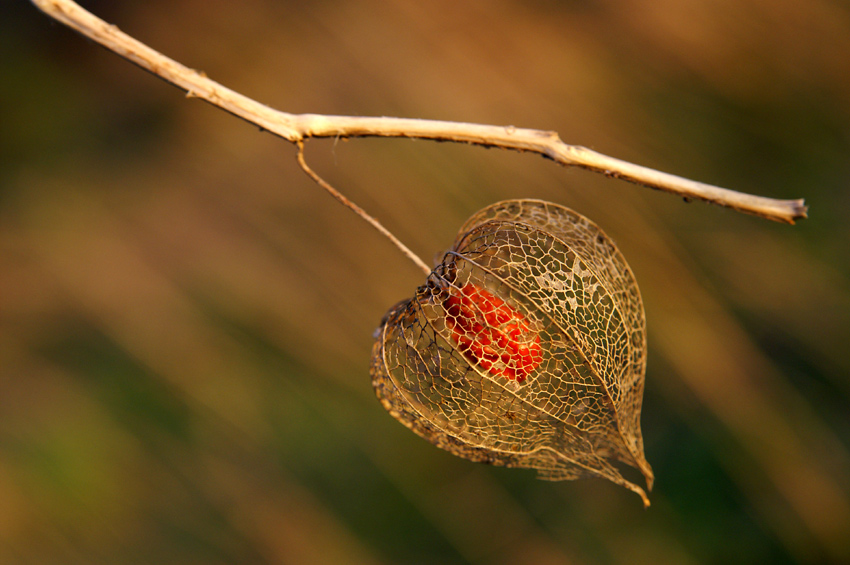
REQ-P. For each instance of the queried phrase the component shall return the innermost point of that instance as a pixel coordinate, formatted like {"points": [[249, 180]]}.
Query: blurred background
{"points": [[186, 319]]}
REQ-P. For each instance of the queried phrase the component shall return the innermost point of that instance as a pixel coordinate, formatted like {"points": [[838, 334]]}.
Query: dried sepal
{"points": [[525, 347]]}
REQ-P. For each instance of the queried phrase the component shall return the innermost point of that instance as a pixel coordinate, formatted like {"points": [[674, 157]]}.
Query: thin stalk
{"points": [[359, 211]]}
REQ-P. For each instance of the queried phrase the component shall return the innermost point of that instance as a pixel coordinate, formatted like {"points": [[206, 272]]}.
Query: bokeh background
{"points": [[186, 320]]}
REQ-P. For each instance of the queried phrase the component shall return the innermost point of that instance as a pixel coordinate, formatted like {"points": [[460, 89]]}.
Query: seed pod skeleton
{"points": [[525, 347]]}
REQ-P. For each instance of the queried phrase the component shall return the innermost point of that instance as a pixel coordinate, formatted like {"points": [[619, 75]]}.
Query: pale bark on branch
{"points": [[298, 127]]}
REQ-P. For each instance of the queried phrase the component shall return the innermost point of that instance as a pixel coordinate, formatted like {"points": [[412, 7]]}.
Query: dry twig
{"points": [[297, 127]]}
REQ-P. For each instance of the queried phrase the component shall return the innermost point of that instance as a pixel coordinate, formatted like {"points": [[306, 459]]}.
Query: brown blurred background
{"points": [[186, 320]]}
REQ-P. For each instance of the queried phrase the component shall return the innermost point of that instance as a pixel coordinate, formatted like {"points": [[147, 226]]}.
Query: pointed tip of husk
{"points": [[646, 470], [640, 492]]}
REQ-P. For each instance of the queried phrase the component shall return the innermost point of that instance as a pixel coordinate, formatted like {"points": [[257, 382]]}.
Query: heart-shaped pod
{"points": [[525, 347]]}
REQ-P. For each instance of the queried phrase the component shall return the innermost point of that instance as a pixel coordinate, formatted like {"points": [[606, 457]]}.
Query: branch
{"points": [[297, 127]]}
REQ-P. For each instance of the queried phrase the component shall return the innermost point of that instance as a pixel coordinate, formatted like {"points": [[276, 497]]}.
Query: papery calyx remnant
{"points": [[525, 347]]}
